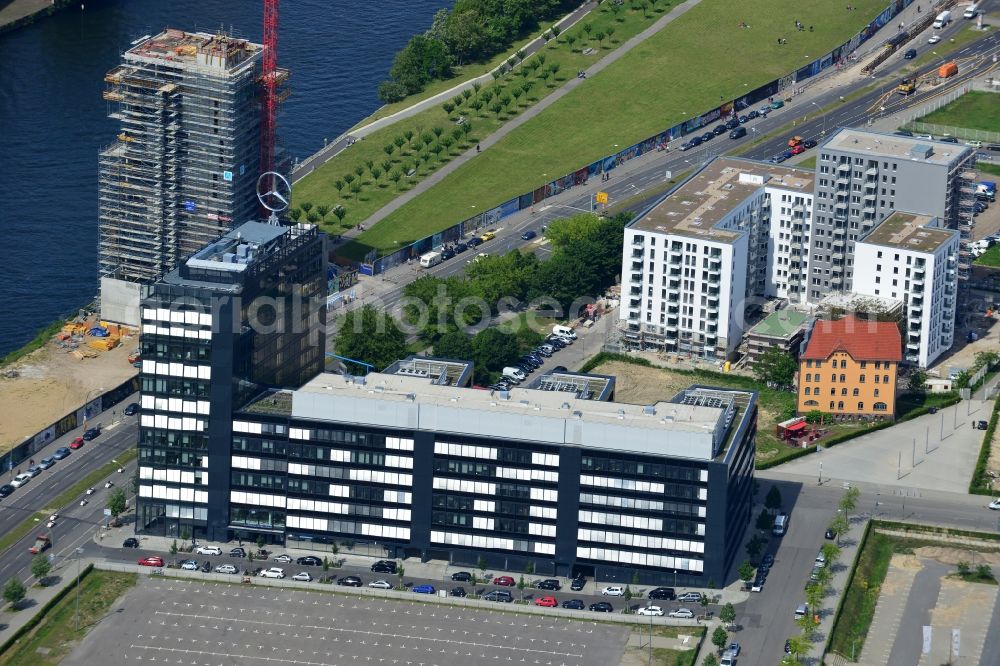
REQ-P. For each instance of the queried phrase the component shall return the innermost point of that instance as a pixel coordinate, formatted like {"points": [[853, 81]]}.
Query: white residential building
{"points": [[732, 234], [913, 258]]}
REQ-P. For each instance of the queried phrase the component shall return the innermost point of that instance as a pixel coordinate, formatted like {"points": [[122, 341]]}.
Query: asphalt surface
{"points": [[190, 623]]}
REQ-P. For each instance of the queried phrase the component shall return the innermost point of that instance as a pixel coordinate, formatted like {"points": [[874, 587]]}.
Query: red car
{"points": [[798, 149], [504, 580], [154, 561], [76, 443], [547, 602]]}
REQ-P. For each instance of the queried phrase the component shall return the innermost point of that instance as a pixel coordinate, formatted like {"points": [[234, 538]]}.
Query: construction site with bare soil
{"points": [[85, 359]]}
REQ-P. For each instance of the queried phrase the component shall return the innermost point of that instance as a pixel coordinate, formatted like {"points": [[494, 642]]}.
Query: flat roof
{"points": [[445, 371], [696, 430], [238, 248], [882, 144], [781, 324], [697, 205], [584, 385], [907, 231], [200, 49]]}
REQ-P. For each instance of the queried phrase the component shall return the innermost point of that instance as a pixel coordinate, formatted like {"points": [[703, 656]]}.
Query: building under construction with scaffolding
{"points": [[184, 166]]}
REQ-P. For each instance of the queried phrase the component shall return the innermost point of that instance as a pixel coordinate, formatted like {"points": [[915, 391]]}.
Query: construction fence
{"points": [[78, 417], [784, 88]]}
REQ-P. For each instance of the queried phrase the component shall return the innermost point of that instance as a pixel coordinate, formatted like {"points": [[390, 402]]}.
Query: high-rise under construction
{"points": [[184, 166]]}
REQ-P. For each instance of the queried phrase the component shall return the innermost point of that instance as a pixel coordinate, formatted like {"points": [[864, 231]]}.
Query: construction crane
{"points": [[269, 81]]}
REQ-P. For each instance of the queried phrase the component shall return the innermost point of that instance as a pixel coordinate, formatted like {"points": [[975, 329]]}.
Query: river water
{"points": [[53, 121]]}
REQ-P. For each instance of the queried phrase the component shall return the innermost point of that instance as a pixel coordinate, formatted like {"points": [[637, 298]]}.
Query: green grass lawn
{"points": [[56, 635], [986, 167], [319, 187], [973, 110], [858, 608], [807, 164], [989, 258], [682, 71]]}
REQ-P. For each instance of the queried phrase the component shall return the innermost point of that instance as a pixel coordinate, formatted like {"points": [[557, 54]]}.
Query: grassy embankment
{"points": [[656, 85], [320, 187]]}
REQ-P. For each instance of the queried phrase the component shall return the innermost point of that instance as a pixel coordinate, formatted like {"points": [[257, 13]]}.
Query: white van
{"points": [[728, 658], [430, 259], [821, 560], [942, 19], [971, 11], [780, 524], [801, 611], [516, 374], [564, 331]]}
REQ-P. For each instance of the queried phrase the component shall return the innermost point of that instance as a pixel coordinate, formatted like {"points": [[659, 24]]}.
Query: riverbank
{"points": [[19, 13]]}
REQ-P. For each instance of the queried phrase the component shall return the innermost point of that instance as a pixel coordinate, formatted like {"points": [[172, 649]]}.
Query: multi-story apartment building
{"points": [[862, 177], [185, 162], [732, 234], [405, 465], [913, 259], [244, 313], [849, 368]]}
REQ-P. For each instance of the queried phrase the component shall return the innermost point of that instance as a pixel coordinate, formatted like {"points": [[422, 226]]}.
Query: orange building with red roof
{"points": [[849, 367]]}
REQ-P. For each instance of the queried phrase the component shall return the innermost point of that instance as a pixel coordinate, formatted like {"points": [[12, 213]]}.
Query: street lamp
{"points": [[79, 552], [820, 111]]}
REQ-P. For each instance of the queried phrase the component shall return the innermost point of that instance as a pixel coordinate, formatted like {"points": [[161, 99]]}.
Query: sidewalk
{"points": [[63, 574], [838, 586]]}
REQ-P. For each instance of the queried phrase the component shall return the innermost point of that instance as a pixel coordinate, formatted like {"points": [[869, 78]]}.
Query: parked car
{"points": [[788, 646], [131, 409], [130, 542], [6, 489], [487, 236], [577, 584], [208, 550], [982, 425], [602, 607], [654, 611], [189, 565], [719, 129], [809, 143], [45, 463], [528, 235], [798, 150], [206, 566], [995, 504], [77, 443], [662, 593], [502, 596], [350, 581], [690, 596], [91, 434], [573, 604], [910, 54], [303, 576], [458, 591], [546, 602], [732, 123], [738, 133], [506, 581], [226, 569], [707, 136], [237, 552], [757, 585], [613, 591], [463, 576], [460, 248], [384, 566], [61, 453], [34, 470], [683, 613], [934, 39], [473, 242], [777, 104], [20, 480], [380, 584], [273, 572], [309, 561], [447, 253], [767, 560], [753, 114], [151, 561], [548, 584], [284, 559]]}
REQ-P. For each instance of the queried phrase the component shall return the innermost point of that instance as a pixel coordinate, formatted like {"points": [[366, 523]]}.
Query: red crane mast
{"points": [[269, 79]]}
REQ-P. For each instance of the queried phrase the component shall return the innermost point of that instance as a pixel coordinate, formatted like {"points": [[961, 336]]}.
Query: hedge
{"points": [[37, 618], [847, 585], [979, 485]]}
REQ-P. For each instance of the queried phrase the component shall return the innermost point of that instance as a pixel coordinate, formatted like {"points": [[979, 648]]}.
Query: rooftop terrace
{"points": [[906, 231], [697, 205], [781, 324], [200, 49]]}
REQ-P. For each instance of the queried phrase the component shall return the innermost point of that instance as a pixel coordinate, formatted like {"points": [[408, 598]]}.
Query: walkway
{"points": [[333, 149], [20, 9], [509, 127]]}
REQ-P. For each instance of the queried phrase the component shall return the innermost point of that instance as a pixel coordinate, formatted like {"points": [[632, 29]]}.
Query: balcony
{"points": [[715, 265], [871, 184], [871, 196], [636, 265], [836, 280], [915, 346], [637, 254], [714, 279], [839, 231], [844, 167], [636, 240], [871, 172], [635, 302]]}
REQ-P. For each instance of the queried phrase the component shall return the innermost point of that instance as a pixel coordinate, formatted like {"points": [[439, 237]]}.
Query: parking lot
{"points": [[199, 623]]}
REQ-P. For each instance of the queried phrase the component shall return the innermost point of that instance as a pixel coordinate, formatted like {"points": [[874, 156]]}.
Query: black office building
{"points": [[242, 315], [413, 464]]}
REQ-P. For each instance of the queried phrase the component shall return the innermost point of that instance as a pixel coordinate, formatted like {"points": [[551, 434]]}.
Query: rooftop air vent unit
{"points": [[649, 410]]}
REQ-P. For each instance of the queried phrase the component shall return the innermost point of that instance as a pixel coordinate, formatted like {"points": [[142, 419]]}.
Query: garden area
{"points": [[974, 110], [656, 85], [350, 187]]}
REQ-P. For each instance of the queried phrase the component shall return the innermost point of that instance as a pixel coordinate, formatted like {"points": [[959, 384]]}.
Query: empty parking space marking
{"points": [[245, 624]]}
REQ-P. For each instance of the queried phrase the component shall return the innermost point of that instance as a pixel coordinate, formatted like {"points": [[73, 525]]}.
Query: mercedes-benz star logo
{"points": [[274, 191]]}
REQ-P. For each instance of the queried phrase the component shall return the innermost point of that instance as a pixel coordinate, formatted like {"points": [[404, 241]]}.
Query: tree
{"points": [[323, 209], [448, 108], [840, 525], [422, 60], [849, 502], [720, 638], [447, 142], [390, 91], [389, 149], [520, 587], [473, 582], [963, 568], [40, 567], [408, 135], [339, 211], [984, 572], [814, 594], [831, 552], [457, 100], [710, 658], [14, 591], [599, 36], [529, 568], [401, 571], [493, 349], [395, 175], [556, 30], [370, 336], [775, 367], [481, 565], [313, 217], [260, 542], [348, 178], [754, 546], [438, 131], [773, 499], [117, 504], [610, 30], [745, 571], [173, 547], [454, 344], [764, 520], [727, 614], [355, 188], [476, 104], [326, 563], [800, 645], [376, 174], [399, 142], [918, 381], [588, 28], [307, 205], [466, 94], [570, 39], [295, 213], [456, 133], [544, 76]]}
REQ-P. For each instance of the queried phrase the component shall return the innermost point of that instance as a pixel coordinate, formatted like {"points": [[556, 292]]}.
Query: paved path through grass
{"points": [[333, 149], [440, 174]]}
